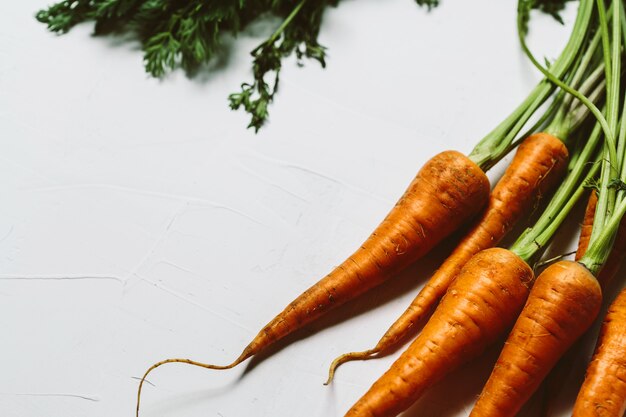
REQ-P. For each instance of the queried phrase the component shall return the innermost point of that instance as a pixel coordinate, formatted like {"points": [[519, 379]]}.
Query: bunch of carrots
{"points": [[483, 293]]}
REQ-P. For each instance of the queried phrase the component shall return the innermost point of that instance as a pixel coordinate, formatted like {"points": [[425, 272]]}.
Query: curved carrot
{"points": [[562, 305], [538, 165], [603, 393], [482, 302], [587, 225], [448, 191]]}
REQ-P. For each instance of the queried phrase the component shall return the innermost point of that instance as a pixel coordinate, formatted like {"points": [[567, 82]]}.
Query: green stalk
{"points": [[562, 124], [600, 249], [604, 124], [281, 28], [612, 59], [494, 146]]}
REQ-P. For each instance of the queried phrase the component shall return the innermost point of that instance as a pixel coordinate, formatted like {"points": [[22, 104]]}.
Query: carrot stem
{"points": [[494, 146]]}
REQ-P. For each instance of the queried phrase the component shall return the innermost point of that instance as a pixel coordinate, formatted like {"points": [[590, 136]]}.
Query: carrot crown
{"points": [[611, 203]]}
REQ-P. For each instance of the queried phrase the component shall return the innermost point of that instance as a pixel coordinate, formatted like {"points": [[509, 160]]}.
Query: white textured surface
{"points": [[140, 220]]}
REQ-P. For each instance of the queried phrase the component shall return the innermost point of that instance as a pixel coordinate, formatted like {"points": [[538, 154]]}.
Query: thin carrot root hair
{"points": [[237, 361], [562, 305], [538, 165]]}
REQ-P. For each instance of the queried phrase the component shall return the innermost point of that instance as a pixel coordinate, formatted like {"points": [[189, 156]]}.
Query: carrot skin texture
{"points": [[555, 379], [447, 192], [603, 393], [539, 164], [562, 305], [480, 305]]}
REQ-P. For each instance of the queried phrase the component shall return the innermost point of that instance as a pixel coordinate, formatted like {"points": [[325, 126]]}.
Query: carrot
{"points": [[555, 379], [538, 165], [562, 305], [448, 191], [587, 225], [603, 393], [478, 307]]}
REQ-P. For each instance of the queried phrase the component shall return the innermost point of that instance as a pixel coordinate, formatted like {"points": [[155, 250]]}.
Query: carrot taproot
{"points": [[587, 225], [553, 382], [478, 307], [448, 191], [603, 393], [562, 305], [555, 379], [537, 167]]}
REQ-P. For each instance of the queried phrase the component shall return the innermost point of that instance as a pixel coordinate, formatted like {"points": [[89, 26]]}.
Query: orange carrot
{"points": [[448, 191], [481, 303], [603, 393], [553, 382], [562, 305], [587, 225], [538, 165], [555, 379]]}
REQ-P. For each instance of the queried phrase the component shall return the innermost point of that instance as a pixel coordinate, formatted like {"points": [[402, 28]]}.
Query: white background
{"points": [[140, 220]]}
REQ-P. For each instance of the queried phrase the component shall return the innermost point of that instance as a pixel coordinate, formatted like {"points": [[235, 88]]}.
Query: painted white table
{"points": [[140, 220]]}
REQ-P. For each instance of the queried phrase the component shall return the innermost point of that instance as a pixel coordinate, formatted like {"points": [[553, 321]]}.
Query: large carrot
{"points": [[603, 393], [538, 165], [449, 190], [479, 306], [555, 379], [562, 305]]}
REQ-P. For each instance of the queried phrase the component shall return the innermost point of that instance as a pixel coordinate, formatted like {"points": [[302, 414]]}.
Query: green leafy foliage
{"points": [[551, 7], [189, 33]]}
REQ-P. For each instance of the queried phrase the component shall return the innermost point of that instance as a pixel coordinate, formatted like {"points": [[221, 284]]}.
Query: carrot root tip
{"points": [[347, 357]]}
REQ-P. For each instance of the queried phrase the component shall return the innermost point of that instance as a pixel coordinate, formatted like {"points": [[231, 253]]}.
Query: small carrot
{"points": [[603, 393], [562, 305], [538, 165], [449, 190], [479, 306], [587, 225]]}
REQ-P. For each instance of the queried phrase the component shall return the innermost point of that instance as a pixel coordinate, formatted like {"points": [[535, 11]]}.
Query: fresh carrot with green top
{"points": [[447, 192], [537, 166], [567, 296], [474, 313]]}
